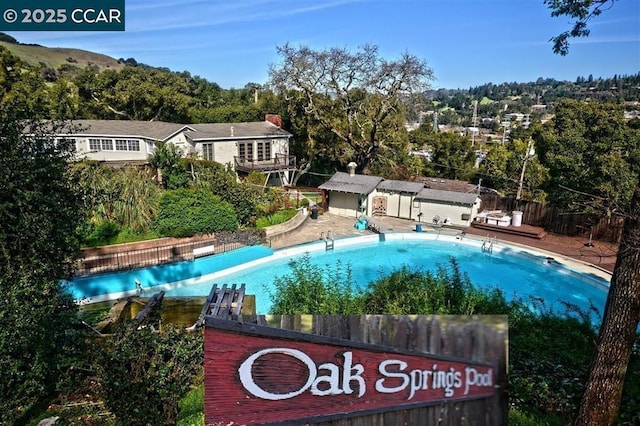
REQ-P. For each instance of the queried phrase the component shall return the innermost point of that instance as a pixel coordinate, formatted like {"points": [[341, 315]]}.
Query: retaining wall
{"points": [[283, 230]]}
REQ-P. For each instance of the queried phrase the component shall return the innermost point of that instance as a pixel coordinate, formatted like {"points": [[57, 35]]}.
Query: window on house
{"points": [[121, 145], [260, 151], [245, 150], [94, 144], [264, 151], [207, 151], [127, 145], [106, 144], [66, 142]]}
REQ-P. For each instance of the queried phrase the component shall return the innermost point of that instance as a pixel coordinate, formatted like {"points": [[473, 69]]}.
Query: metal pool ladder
{"points": [[487, 244], [328, 240]]}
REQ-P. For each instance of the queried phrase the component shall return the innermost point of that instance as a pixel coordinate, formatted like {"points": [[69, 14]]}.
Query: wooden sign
{"points": [[256, 375]]}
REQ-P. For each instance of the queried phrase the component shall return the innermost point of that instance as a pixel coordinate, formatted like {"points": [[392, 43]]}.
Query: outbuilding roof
{"points": [[356, 184], [428, 194], [401, 186], [448, 184]]}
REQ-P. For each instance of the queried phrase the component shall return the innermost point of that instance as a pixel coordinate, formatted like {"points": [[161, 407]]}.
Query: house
{"points": [[353, 195], [254, 146]]}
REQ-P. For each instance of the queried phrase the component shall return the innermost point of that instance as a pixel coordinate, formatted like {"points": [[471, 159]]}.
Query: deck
{"points": [[522, 230], [281, 162]]}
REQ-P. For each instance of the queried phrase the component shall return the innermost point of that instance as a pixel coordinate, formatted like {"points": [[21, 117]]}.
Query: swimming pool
{"points": [[516, 271]]}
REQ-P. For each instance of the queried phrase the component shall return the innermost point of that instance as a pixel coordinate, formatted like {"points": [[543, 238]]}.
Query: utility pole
{"points": [[527, 155], [474, 122]]}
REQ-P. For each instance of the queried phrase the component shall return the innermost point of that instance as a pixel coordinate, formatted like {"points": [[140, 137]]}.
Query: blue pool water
{"points": [[518, 273]]}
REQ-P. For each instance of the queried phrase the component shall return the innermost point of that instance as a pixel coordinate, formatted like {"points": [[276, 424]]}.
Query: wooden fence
{"points": [[162, 251], [473, 338], [556, 220]]}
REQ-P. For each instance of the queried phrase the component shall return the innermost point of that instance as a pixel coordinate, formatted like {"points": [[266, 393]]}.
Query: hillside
{"points": [[54, 57]]}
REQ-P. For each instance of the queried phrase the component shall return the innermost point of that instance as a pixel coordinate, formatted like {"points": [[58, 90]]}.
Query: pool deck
{"points": [[598, 258]]}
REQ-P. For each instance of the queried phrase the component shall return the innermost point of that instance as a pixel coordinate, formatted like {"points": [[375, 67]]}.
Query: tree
{"points": [[40, 212], [166, 159], [451, 154], [354, 96], [581, 10], [507, 166], [136, 93], [63, 100], [601, 401], [592, 154]]}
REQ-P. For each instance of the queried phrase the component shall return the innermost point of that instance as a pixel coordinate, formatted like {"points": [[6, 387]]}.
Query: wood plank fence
{"points": [[473, 338], [556, 220], [158, 252]]}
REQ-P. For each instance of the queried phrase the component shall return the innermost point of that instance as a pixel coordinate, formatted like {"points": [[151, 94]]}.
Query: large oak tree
{"points": [[353, 97]]}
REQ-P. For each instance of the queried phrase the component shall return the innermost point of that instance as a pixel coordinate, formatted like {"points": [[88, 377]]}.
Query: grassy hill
{"points": [[54, 57]]}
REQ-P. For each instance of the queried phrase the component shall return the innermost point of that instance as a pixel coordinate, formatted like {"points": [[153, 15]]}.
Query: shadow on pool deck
{"points": [[602, 254]]}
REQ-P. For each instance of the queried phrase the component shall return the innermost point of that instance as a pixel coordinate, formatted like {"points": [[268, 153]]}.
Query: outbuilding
{"points": [[394, 198], [445, 207], [350, 194]]}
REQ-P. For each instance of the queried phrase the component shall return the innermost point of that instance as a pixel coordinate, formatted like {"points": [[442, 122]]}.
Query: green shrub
{"points": [[549, 361], [105, 231], [143, 374], [448, 291], [99, 235], [128, 235], [276, 218], [312, 289], [184, 213]]}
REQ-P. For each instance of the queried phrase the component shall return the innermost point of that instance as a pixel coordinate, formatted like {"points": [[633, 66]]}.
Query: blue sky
{"points": [[465, 42]]}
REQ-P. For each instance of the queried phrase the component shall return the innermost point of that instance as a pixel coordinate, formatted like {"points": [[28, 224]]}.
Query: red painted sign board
{"points": [[257, 375]]}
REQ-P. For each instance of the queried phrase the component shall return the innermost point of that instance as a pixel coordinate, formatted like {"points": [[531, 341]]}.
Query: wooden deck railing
{"points": [[280, 162]]}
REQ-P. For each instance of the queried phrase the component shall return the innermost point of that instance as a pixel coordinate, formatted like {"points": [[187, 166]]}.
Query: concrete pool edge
{"points": [[570, 264]]}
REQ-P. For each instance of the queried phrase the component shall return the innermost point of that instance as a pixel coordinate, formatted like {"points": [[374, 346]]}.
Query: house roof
{"points": [[401, 186], [448, 184], [447, 196], [157, 130], [225, 131], [356, 184]]}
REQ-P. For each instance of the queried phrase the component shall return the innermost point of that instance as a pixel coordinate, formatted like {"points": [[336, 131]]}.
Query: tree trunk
{"points": [[601, 401]]}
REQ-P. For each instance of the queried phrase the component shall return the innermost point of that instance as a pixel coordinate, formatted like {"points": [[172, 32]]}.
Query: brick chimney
{"points": [[274, 119]]}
